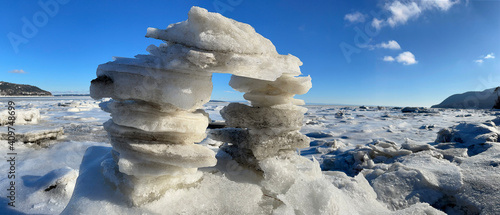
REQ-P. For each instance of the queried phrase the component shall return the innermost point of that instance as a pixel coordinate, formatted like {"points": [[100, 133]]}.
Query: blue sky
{"points": [[377, 52]]}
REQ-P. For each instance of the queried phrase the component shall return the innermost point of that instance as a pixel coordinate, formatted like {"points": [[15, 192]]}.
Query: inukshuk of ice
{"points": [[155, 112], [217, 44]]}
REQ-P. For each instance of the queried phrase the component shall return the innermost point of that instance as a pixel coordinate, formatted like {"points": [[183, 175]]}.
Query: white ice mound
{"points": [[214, 32], [23, 116]]}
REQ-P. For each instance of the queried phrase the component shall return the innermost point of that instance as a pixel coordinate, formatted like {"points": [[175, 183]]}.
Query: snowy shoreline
{"points": [[336, 133]]}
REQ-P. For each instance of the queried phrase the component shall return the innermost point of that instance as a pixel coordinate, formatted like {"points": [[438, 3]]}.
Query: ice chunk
{"points": [[215, 43], [441, 173], [181, 155], [418, 178], [212, 31], [131, 165], [240, 115], [265, 100], [156, 121], [118, 131], [387, 149], [35, 134], [262, 146], [22, 116], [281, 174], [192, 60], [126, 82], [285, 84], [481, 185], [263, 93], [470, 133], [319, 198], [140, 190]]}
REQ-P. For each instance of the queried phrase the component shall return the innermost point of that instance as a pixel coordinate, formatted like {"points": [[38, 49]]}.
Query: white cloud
{"points": [[406, 58], [391, 44], [388, 58], [443, 5], [355, 17], [377, 23], [18, 71], [482, 58], [490, 56], [402, 11]]}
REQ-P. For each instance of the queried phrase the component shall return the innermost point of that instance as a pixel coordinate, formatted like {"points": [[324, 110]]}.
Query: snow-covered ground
{"points": [[378, 156]]}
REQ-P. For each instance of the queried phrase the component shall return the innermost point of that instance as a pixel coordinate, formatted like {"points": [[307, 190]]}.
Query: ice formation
{"points": [[156, 118], [155, 112]]}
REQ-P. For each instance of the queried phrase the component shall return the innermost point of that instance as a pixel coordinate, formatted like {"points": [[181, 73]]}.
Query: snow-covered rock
{"points": [[473, 99]]}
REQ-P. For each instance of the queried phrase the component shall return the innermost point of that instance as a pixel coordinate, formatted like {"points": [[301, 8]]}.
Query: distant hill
{"points": [[72, 94], [471, 100], [11, 89]]}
